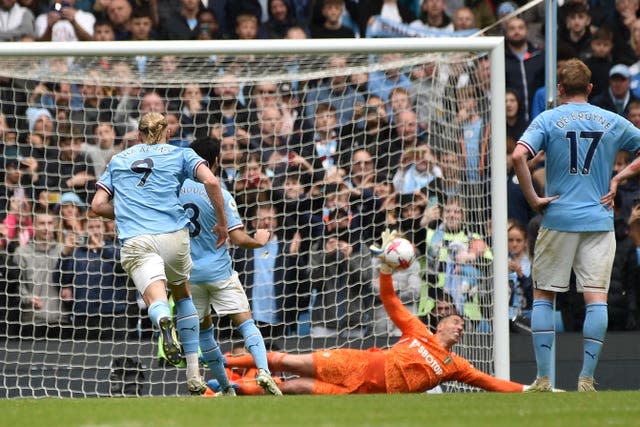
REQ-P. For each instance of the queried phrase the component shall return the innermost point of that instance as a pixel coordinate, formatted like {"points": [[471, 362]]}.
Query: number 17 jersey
{"points": [[580, 142]]}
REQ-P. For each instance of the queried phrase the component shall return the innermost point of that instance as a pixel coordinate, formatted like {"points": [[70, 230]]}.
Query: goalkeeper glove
{"points": [[378, 251]]}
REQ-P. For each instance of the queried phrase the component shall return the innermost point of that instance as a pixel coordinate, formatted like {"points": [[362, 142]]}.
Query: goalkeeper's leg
{"points": [[305, 385], [299, 364]]}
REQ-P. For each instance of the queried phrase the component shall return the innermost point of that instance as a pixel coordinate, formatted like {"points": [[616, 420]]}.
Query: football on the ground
{"points": [[399, 253]]}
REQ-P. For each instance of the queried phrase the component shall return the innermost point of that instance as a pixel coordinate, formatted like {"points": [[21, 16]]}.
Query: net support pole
{"points": [[499, 216], [551, 7]]}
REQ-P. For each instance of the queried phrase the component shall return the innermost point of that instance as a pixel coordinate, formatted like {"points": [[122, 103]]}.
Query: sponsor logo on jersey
{"points": [[428, 358]]}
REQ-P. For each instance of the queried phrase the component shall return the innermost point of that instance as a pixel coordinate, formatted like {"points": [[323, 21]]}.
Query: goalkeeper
{"points": [[418, 362]]}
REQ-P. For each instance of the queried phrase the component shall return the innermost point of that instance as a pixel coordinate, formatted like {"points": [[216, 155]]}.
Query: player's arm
{"points": [[240, 238], [631, 170], [472, 376], [520, 157], [398, 313], [101, 204], [214, 191]]}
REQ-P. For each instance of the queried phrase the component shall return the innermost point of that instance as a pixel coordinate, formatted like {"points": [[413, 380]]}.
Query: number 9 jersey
{"points": [[144, 182], [580, 142]]}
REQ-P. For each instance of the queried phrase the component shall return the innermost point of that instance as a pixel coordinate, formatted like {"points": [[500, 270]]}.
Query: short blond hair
{"points": [[575, 77], [152, 126]]}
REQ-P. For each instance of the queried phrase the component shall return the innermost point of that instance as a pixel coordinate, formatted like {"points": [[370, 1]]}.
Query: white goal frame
{"points": [[493, 45]]}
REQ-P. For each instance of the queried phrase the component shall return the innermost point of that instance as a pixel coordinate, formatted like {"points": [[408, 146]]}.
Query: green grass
{"points": [[450, 410], [477, 409]]}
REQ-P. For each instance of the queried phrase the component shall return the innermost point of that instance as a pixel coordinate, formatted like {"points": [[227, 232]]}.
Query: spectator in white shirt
{"points": [[64, 23], [15, 21]]}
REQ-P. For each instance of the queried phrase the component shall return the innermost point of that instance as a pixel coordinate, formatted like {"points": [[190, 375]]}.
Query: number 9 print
{"points": [[143, 166]]}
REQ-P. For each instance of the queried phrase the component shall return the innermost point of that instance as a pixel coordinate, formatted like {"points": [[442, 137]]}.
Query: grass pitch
{"points": [[460, 409]]}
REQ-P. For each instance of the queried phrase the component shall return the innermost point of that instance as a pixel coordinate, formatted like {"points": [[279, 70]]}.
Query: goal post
{"points": [[281, 62]]}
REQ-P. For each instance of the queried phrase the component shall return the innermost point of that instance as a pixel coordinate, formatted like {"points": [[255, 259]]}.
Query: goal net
{"points": [[327, 143]]}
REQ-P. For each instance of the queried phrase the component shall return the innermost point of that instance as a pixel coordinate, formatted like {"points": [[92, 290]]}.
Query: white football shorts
{"points": [[151, 257], [226, 296], [590, 254]]}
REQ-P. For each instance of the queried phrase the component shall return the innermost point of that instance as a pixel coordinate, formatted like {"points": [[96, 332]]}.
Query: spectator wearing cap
{"points": [[535, 18], [73, 199], [70, 210], [504, 9], [15, 21], [34, 114], [618, 96]]}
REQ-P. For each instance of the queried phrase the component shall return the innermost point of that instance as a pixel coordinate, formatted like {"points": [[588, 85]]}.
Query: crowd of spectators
{"points": [[326, 164]]}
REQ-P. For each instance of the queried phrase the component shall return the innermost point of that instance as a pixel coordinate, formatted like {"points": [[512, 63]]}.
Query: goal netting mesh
{"points": [[340, 146]]}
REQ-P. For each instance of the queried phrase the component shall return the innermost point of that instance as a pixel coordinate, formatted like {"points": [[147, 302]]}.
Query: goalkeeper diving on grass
{"points": [[418, 362]]}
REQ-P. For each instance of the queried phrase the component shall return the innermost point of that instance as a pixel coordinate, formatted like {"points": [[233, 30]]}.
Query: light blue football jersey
{"points": [[145, 182], [210, 264], [580, 142]]}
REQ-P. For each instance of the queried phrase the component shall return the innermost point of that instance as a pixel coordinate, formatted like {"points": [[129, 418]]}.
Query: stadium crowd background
{"points": [[326, 165]]}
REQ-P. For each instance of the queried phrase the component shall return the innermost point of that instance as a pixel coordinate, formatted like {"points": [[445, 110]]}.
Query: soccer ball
{"points": [[399, 253]]}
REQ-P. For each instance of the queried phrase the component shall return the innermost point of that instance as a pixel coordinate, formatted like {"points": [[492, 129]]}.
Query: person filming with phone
{"points": [[64, 23]]}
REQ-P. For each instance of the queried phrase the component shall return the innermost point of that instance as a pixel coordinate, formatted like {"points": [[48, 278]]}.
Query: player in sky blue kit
{"points": [[213, 278], [140, 188], [580, 142]]}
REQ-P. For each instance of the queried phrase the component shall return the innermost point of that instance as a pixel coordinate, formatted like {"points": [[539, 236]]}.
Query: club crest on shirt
{"points": [[448, 360]]}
